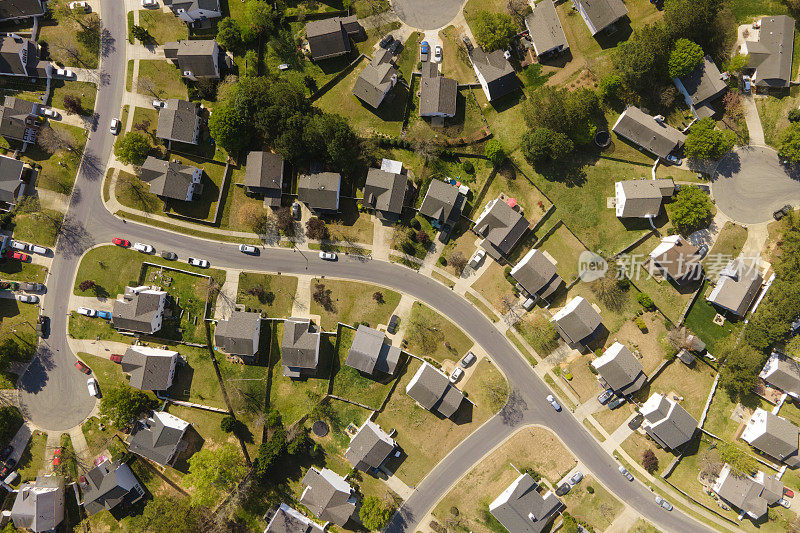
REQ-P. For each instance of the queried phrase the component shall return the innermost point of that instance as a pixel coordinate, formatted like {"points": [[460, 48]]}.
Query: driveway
{"points": [[427, 15], [750, 184]]}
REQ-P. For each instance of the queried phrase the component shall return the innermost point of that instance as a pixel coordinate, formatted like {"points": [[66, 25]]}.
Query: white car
{"points": [[28, 298], [94, 387], [552, 401], [624, 472], [456, 375], [21, 246], [49, 113], [85, 311], [35, 248], [115, 124], [149, 3], [202, 263], [142, 247], [247, 249], [64, 72], [576, 478], [158, 104], [437, 54], [476, 259], [785, 503], [82, 6], [328, 256]]}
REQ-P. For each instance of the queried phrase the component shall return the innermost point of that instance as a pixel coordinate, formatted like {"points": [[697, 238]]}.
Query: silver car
{"points": [[663, 503], [624, 472], [28, 298], [202, 263]]}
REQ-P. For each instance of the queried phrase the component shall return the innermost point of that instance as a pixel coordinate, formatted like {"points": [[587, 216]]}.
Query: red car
{"points": [[116, 358], [83, 368], [788, 492], [16, 255], [121, 242], [57, 457]]}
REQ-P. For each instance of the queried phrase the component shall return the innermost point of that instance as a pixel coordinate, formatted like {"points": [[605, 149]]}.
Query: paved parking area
{"points": [[427, 15]]}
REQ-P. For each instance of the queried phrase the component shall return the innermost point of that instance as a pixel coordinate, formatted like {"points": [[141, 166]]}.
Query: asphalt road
{"points": [[53, 393], [427, 15]]}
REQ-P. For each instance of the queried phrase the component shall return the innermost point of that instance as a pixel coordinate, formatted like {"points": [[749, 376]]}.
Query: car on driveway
{"points": [[554, 403], [395, 48], [437, 54], [116, 358], [159, 104], [456, 375], [149, 3], [106, 315], [424, 51], [605, 396], [392, 326], [476, 258], [121, 242], [782, 212], [468, 359], [19, 256], [563, 489], [20, 246], [675, 160], [624, 472], [86, 311], [296, 213], [576, 478], [616, 402], [386, 41], [28, 298], [636, 421], [115, 125], [80, 6], [80, 365], [789, 493], [8, 468], [94, 388], [50, 113], [41, 250], [65, 73], [327, 256], [202, 263], [785, 503], [248, 249], [144, 248], [170, 256], [663, 503]]}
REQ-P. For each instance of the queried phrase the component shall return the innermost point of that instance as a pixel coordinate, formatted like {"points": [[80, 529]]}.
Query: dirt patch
{"points": [[583, 383]]}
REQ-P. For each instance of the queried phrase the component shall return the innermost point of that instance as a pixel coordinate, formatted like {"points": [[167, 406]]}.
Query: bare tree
{"points": [[148, 86], [135, 189], [52, 140], [518, 9], [71, 51], [458, 262]]}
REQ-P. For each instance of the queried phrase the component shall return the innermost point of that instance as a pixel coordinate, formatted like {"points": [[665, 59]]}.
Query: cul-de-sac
{"points": [[401, 266]]}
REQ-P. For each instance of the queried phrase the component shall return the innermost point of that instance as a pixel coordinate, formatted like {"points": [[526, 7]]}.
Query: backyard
{"points": [[159, 79], [59, 166]]}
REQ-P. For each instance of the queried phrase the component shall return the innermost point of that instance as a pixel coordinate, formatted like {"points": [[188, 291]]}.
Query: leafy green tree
{"points": [[123, 404], [494, 152], [229, 34], [227, 424], [609, 89], [737, 63], [493, 31], [684, 58], [789, 143], [739, 374], [691, 210], [374, 514], [269, 452], [132, 148], [641, 60], [140, 34], [543, 145], [251, 63], [700, 21], [572, 113], [228, 128], [706, 142], [10, 422], [166, 514], [738, 458], [261, 18], [214, 472]]}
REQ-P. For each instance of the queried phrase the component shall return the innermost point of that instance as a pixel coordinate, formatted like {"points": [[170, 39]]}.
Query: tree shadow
{"points": [[73, 238], [514, 409], [108, 45]]}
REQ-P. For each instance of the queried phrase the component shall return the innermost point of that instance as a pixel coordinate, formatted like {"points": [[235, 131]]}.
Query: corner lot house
{"points": [[191, 11], [331, 37], [19, 120], [600, 14], [501, 226], [39, 506], [288, 520], [370, 447], [438, 96], [150, 368], [376, 80], [14, 181], [677, 259], [300, 348], [773, 435], [620, 370], [239, 335], [666, 422], [521, 509], [18, 56], [770, 52], [170, 179], [264, 175], [650, 133], [782, 372], [371, 354], [701, 87], [494, 72], [320, 192], [196, 59], [736, 288], [577, 320], [641, 198], [432, 390], [20, 9], [139, 309], [108, 485], [158, 437], [329, 496], [179, 122], [536, 274], [442, 204], [545, 30], [750, 494], [386, 190]]}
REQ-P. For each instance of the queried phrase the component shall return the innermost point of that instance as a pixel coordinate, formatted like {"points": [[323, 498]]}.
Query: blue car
{"points": [[104, 314], [424, 51]]}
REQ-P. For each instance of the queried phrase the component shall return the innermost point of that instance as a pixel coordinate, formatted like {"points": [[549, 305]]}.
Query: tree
{"points": [[227, 424], [544, 145], [86, 284], [608, 292], [641, 60], [166, 514], [378, 296], [322, 296], [738, 458], [736, 63], [284, 220], [251, 63], [299, 444], [789, 143], [226, 126], [133, 148], [141, 34], [494, 152], [739, 375], [316, 229], [459, 262], [138, 192], [649, 460], [572, 113], [684, 58], [229, 35], [374, 514], [52, 140], [706, 142], [269, 452], [609, 89], [422, 237], [691, 210], [214, 472], [123, 404], [261, 19], [701, 21], [89, 34], [73, 104], [493, 31], [10, 422]]}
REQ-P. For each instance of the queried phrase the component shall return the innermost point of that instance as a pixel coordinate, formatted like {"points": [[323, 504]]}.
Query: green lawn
{"points": [[159, 79], [39, 228], [692, 384], [32, 460], [83, 327], [78, 89], [353, 302], [700, 320], [407, 60], [746, 10], [19, 271], [196, 381], [162, 27], [456, 63], [282, 288], [205, 206], [494, 286], [97, 439], [108, 374], [190, 293], [719, 421], [562, 246], [246, 386], [17, 328], [728, 245], [59, 168], [60, 35], [432, 335], [598, 508], [466, 123], [132, 192]]}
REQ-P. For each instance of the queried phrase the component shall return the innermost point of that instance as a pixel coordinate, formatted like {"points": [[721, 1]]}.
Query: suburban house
{"points": [[442, 204], [600, 14], [288, 520], [320, 192], [18, 56], [545, 30], [191, 11], [432, 390], [331, 37], [536, 274], [577, 320], [171, 179], [139, 309], [239, 335], [158, 437], [39, 506], [19, 120], [501, 226], [650, 133], [15, 176], [641, 198], [782, 372], [667, 422], [750, 494], [369, 447], [108, 485], [521, 509], [196, 58], [494, 72], [438, 97], [773, 435], [150, 368], [329, 496], [377, 79], [371, 354], [736, 288], [770, 54], [429, 69], [20, 9], [300, 347], [179, 121], [264, 175], [620, 370], [702, 86], [386, 190], [677, 259]]}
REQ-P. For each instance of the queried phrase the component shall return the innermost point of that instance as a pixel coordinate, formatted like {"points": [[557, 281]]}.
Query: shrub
{"points": [[794, 115], [641, 325], [442, 261], [494, 152], [649, 460], [468, 167], [645, 301], [623, 283], [415, 223], [590, 489]]}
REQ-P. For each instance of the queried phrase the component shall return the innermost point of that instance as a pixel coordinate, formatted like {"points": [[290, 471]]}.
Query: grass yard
{"points": [[339, 415], [584, 383], [456, 64], [728, 245], [515, 185], [565, 249], [241, 210], [353, 302], [19, 271], [246, 386], [159, 79], [719, 420], [746, 10], [16, 329], [407, 60], [494, 286], [611, 420], [466, 123], [282, 288], [350, 225], [205, 206], [636, 444], [41, 227], [97, 439], [58, 169], [132, 192], [196, 380], [162, 27], [83, 327], [598, 508], [693, 384], [147, 118], [424, 436], [652, 346], [60, 35], [700, 321], [613, 317], [538, 332], [77, 89], [431, 335], [108, 374], [32, 459], [773, 112], [206, 423]]}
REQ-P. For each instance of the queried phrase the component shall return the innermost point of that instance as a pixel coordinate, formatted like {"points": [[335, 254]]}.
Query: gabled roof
{"points": [[751, 494], [178, 121], [264, 172], [600, 14], [536, 274], [655, 136], [385, 191], [442, 202], [501, 227], [370, 447], [438, 96], [300, 344], [375, 80], [320, 191], [637, 198], [10, 178], [704, 83], [667, 422], [198, 56], [108, 485], [288, 520], [544, 28], [432, 390], [235, 335], [328, 495], [11, 9], [620, 369], [13, 116], [193, 5], [169, 179], [327, 38], [135, 309], [771, 55], [370, 352], [678, 258], [773, 435], [782, 372], [496, 71], [521, 509], [11, 46], [576, 320], [157, 437], [39, 506], [737, 287], [149, 368]]}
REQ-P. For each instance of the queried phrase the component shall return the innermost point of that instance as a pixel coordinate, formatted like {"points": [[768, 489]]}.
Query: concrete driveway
{"points": [[750, 183], [427, 15]]}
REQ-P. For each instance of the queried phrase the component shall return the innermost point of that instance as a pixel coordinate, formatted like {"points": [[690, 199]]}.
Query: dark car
{"points": [[616, 402], [296, 214], [386, 41], [392, 326], [562, 489], [170, 256], [636, 421], [396, 47], [702, 251], [5, 452], [41, 326], [782, 212]]}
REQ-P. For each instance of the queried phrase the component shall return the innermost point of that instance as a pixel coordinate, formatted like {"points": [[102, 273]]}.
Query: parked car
{"points": [[115, 125], [702, 251], [248, 249], [785, 503], [327, 256], [169, 256], [80, 6], [144, 248], [477, 257], [6, 452], [149, 3], [424, 51], [636, 421], [467, 42], [159, 104], [554, 403], [576, 478], [50, 113], [789, 493], [624, 472], [202, 263], [296, 214], [396, 47], [8, 467], [94, 388], [663, 503], [86, 311], [437, 54], [57, 456], [19, 256], [105, 315], [746, 84], [468, 359], [563, 489], [116, 358], [675, 160], [41, 326], [28, 298], [80, 365], [21, 246], [456, 375], [41, 250], [782, 212], [605, 396], [121, 242], [616, 402], [387, 40], [65, 73], [392, 326], [31, 287]]}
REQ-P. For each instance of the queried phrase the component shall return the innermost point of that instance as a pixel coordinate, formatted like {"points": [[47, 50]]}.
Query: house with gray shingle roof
{"points": [[369, 447], [150, 368], [331, 37], [158, 437], [536, 274], [577, 320], [371, 354], [191, 11], [650, 133], [667, 422], [620, 370], [502, 228], [329, 496], [600, 14], [288, 520], [494, 72], [179, 121], [300, 347], [19, 120], [239, 335], [264, 175], [521, 509], [770, 54], [442, 204], [139, 309], [320, 191], [18, 56], [438, 96], [432, 390], [376, 80], [677, 259], [387, 192], [14, 180], [702, 86], [545, 29], [39, 506], [736, 288], [109, 485], [640, 198], [750, 494], [20, 9], [782, 372], [171, 179], [196, 58], [773, 435]]}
